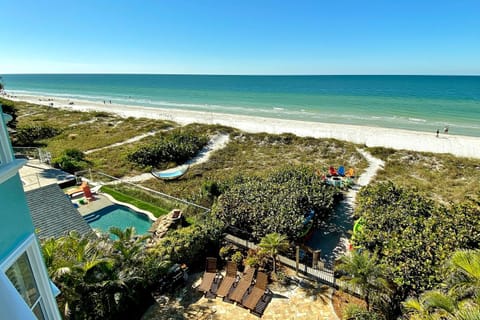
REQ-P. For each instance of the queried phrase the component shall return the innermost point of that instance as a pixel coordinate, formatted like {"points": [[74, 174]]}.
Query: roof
{"points": [[53, 214]]}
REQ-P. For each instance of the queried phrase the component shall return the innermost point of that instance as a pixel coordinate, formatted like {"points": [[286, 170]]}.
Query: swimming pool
{"points": [[118, 216]]}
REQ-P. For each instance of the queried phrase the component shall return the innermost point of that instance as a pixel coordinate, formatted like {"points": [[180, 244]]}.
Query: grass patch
{"points": [[442, 177], [119, 196]]}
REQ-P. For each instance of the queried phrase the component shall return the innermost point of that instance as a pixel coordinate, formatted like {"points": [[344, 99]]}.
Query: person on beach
{"points": [[445, 130], [438, 131]]}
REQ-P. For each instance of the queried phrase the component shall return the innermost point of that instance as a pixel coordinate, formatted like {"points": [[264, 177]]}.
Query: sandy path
{"points": [[374, 164], [348, 202], [217, 142], [134, 139]]}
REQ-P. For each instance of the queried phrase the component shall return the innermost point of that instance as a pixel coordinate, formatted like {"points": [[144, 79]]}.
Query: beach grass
{"points": [[443, 177], [259, 154], [440, 176]]}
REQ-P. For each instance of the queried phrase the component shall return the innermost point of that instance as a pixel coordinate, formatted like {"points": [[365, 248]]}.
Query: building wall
{"points": [[16, 224]]}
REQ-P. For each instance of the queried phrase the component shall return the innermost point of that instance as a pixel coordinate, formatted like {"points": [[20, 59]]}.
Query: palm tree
{"points": [[364, 273], [431, 305], [462, 300], [273, 244], [128, 244], [464, 280], [77, 265]]}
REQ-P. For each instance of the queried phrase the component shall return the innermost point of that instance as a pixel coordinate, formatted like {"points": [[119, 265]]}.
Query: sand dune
{"points": [[462, 146]]}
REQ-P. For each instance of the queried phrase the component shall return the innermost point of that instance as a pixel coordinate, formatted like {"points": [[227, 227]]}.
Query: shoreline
{"points": [[462, 146]]}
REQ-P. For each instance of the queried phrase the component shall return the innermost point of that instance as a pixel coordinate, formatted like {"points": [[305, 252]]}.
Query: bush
{"points": [[71, 160], [177, 147], [280, 203], [28, 135], [8, 107], [237, 257]]}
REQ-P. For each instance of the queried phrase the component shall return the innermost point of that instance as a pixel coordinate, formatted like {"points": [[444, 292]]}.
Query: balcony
{"points": [[9, 166]]}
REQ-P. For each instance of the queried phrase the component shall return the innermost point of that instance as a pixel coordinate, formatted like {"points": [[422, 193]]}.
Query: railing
{"points": [[89, 175], [34, 153], [324, 275]]}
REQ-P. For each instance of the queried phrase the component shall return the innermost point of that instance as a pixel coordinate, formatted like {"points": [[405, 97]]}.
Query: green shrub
{"points": [[8, 107], [176, 147], [278, 203], [237, 257], [71, 160], [28, 135]]}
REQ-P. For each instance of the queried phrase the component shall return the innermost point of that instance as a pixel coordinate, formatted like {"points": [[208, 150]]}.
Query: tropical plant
{"points": [[363, 272], [101, 278], [464, 279], [413, 236], [458, 298], [273, 244]]}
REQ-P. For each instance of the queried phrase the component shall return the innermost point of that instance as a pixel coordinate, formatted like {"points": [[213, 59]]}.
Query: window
{"points": [[25, 269], [21, 275]]}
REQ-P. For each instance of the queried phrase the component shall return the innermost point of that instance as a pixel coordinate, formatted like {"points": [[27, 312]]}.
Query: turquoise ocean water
{"points": [[421, 103]]}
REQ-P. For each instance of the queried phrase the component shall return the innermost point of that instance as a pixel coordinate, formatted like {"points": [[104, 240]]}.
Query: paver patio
{"points": [[289, 302]]}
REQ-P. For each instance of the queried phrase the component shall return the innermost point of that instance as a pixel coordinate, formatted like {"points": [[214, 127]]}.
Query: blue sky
{"points": [[240, 37]]}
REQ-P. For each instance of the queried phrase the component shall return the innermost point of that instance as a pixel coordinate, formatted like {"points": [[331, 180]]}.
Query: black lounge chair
{"points": [[228, 281], [242, 286], [209, 276]]}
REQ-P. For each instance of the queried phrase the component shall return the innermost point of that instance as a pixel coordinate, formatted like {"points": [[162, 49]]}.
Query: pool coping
{"points": [[131, 206]]}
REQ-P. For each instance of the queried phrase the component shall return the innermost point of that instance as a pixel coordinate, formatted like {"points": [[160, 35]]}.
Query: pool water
{"points": [[118, 216]]}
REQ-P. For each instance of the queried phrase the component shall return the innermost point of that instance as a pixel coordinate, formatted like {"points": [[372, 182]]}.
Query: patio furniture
{"points": [[229, 280], [257, 292], [209, 276], [72, 192], [242, 286]]}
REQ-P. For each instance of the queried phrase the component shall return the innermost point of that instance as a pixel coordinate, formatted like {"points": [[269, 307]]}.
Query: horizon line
{"points": [[246, 74]]}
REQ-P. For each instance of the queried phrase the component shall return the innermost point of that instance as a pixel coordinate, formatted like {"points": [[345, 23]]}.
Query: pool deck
{"points": [[102, 200], [35, 174], [99, 202]]}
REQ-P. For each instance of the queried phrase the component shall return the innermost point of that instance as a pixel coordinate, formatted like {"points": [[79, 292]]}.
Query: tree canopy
{"points": [[412, 235], [101, 278], [278, 203]]}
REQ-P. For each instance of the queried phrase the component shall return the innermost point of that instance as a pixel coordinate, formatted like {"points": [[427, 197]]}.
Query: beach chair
{"points": [[332, 171], [242, 286], [341, 171], [209, 276], [72, 192], [257, 292], [350, 173], [228, 281]]}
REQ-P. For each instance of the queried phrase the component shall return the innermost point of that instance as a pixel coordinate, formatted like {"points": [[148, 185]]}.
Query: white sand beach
{"points": [[462, 146]]}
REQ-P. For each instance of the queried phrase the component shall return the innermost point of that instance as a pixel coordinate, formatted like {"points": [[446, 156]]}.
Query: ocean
{"points": [[420, 103]]}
